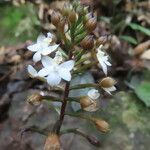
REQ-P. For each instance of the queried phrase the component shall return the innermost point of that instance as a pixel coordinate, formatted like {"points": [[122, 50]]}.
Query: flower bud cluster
{"points": [[81, 25]]}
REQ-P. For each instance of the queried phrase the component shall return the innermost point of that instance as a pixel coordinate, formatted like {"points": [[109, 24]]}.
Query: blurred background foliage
{"points": [[18, 24]]}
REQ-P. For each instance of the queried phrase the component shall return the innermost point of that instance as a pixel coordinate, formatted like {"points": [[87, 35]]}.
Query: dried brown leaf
{"points": [[146, 55], [141, 47]]}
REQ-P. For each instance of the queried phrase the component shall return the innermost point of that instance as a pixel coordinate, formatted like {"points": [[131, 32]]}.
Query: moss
{"points": [[17, 24]]}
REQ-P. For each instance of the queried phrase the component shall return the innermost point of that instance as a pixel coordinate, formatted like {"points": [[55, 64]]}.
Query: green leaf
{"points": [[129, 39], [140, 28], [80, 37], [143, 92]]}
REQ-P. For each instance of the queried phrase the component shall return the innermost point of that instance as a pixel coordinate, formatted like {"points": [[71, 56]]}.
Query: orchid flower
{"points": [[103, 59], [55, 72], [42, 47]]}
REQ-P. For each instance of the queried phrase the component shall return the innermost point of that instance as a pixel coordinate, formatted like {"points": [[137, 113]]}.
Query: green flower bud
{"points": [[66, 9]]}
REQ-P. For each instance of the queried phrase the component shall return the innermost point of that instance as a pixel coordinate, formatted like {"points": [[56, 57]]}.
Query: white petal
{"points": [[93, 94], [65, 74], [104, 58], [107, 63], [109, 90], [43, 72], [100, 47], [104, 67], [49, 49], [33, 48], [37, 57], [68, 65], [113, 88], [49, 35], [40, 38], [32, 71], [53, 79], [47, 61]]}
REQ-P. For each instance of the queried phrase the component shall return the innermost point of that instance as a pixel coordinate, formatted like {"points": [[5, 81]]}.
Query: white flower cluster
{"points": [[103, 60], [54, 69]]}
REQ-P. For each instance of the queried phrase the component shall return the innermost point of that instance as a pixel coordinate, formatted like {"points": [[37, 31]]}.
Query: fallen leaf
{"points": [[141, 47], [146, 55]]}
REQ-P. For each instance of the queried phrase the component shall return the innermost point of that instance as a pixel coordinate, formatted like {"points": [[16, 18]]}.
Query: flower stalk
{"points": [[76, 50], [82, 86]]}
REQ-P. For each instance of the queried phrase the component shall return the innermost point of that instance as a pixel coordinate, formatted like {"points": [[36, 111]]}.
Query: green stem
{"points": [[82, 60], [55, 99], [75, 131], [35, 129], [79, 116], [59, 123], [83, 68], [81, 86], [51, 98], [91, 139]]}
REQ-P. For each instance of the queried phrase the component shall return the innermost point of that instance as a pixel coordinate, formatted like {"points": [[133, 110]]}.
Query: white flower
{"points": [[110, 89], [55, 72], [93, 94], [32, 72], [103, 59], [42, 47]]}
